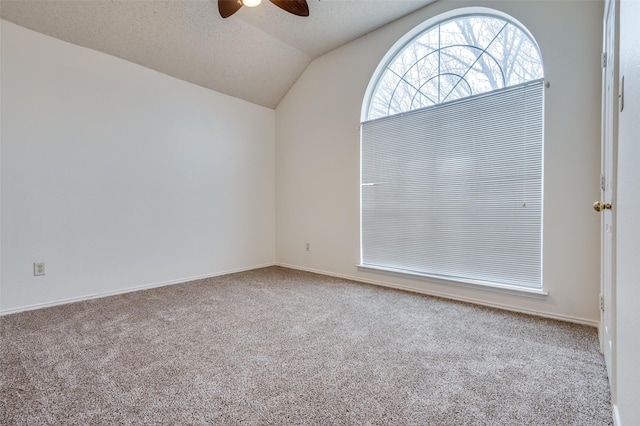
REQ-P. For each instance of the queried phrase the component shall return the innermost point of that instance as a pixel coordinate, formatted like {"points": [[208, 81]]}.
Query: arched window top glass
{"points": [[456, 58]]}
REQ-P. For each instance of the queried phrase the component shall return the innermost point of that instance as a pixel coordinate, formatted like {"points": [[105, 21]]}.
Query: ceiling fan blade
{"points": [[228, 7], [297, 7]]}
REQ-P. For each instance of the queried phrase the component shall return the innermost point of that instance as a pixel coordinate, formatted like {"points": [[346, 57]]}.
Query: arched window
{"points": [[453, 59], [452, 141]]}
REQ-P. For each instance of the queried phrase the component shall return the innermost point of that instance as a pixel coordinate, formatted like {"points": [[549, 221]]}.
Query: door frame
{"points": [[609, 148]]}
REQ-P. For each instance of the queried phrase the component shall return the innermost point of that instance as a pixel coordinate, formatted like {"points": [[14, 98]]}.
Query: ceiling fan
{"points": [[229, 7]]}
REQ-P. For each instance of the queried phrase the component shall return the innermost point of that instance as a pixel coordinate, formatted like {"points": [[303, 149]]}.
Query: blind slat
{"points": [[456, 190]]}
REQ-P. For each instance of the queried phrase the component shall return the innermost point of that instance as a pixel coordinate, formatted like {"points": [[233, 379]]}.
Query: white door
{"points": [[606, 204]]}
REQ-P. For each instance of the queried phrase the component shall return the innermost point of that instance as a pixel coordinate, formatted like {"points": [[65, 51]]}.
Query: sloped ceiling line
{"points": [[256, 55]]}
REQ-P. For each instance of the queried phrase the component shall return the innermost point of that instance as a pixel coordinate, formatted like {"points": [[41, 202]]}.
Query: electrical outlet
{"points": [[38, 269], [308, 247]]}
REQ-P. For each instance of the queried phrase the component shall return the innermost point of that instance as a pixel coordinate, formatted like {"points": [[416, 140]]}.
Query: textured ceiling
{"points": [[256, 54]]}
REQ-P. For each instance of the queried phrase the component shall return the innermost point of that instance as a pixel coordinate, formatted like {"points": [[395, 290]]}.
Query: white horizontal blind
{"points": [[455, 190]]}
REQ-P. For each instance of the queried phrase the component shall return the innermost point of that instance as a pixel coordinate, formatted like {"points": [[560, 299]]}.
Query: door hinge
{"points": [[603, 59], [602, 303], [602, 182]]}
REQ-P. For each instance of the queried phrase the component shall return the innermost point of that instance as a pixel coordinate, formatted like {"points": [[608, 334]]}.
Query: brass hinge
{"points": [[603, 59]]}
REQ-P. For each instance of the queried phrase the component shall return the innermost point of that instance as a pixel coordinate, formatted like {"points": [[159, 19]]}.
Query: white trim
{"points": [[129, 290], [425, 26], [560, 317], [461, 282], [316, 271], [616, 416]]}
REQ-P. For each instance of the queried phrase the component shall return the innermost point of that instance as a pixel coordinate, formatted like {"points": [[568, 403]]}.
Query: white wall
{"points": [[317, 157], [117, 176], [628, 222]]}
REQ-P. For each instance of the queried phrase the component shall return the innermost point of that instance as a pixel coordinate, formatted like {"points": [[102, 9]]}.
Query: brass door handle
{"points": [[599, 206]]}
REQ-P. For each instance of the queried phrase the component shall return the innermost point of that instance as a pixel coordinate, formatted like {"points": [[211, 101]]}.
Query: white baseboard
{"points": [[316, 271], [616, 416], [128, 290], [560, 317]]}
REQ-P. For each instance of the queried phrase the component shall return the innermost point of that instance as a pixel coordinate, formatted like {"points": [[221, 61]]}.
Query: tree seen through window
{"points": [[455, 59]]}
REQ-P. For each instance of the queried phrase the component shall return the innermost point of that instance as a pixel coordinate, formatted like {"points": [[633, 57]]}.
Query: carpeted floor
{"points": [[278, 346]]}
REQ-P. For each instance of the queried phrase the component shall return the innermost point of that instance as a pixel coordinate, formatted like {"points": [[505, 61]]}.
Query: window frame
{"points": [[390, 56], [410, 36]]}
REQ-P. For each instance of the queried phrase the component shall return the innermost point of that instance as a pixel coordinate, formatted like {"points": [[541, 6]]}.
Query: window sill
{"points": [[477, 285]]}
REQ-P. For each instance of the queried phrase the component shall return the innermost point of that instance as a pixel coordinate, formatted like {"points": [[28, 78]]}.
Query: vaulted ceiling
{"points": [[257, 54]]}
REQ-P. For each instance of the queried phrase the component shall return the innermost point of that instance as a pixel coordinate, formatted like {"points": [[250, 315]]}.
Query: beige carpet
{"points": [[277, 346]]}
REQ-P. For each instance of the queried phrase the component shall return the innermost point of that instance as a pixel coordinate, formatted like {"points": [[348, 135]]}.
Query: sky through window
{"points": [[455, 59]]}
